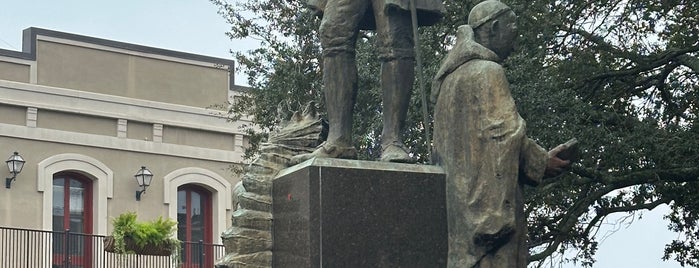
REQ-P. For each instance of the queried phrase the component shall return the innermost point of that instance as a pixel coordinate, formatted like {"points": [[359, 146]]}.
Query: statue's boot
{"points": [[340, 81], [397, 78], [395, 152], [327, 150]]}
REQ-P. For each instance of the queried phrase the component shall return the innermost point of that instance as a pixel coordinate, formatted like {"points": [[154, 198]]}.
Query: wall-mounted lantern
{"points": [[15, 164], [143, 177]]}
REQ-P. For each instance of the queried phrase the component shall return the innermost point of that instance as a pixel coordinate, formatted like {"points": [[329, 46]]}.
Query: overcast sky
{"points": [[193, 26]]}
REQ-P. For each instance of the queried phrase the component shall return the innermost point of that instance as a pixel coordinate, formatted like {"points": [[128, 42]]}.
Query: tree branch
{"points": [[611, 183], [604, 212], [646, 63], [690, 62]]}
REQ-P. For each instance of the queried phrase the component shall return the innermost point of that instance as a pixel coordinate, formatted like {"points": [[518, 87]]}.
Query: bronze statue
{"points": [[479, 139], [340, 25]]}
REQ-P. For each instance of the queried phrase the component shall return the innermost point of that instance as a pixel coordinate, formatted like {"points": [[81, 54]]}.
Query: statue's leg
{"points": [[340, 81], [395, 37], [338, 35]]}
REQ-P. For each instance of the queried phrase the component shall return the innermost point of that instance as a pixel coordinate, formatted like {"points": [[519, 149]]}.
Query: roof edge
{"points": [[29, 46], [29, 43]]}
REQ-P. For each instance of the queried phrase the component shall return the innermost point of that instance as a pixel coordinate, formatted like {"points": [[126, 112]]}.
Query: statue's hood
{"points": [[465, 50]]}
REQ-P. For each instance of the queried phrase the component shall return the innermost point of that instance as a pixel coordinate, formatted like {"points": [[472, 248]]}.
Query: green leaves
{"points": [[158, 232]]}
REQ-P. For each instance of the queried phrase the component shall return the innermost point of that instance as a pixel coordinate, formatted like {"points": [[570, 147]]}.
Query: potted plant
{"points": [[145, 238]]}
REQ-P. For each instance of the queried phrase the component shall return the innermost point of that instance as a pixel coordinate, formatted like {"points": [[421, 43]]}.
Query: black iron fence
{"points": [[20, 248]]}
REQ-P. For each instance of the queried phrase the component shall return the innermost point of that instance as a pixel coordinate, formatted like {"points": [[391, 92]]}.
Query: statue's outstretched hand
{"points": [[555, 165]]}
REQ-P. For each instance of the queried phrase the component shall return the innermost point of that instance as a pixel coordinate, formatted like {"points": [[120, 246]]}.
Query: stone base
{"points": [[348, 213]]}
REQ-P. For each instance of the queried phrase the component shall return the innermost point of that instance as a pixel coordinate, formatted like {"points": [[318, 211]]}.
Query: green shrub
{"points": [[157, 232]]}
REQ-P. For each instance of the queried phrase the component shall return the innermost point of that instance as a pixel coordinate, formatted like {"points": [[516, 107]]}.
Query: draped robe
{"points": [[480, 141]]}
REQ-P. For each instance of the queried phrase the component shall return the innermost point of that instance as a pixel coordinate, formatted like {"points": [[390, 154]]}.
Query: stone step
{"points": [[302, 133], [280, 160], [253, 260], [261, 167], [261, 185], [303, 140], [270, 161], [253, 201], [257, 220], [246, 241], [284, 150]]}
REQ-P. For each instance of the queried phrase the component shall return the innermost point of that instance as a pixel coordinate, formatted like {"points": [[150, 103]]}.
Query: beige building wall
{"points": [[193, 137], [108, 71], [14, 71], [12, 114], [73, 122], [104, 109], [139, 131]]}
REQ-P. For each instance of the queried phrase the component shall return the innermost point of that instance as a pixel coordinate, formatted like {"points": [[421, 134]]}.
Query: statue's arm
{"points": [[533, 161], [532, 158], [536, 163]]}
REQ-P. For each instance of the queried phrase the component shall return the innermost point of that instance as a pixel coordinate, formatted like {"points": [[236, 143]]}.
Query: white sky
{"points": [[193, 26]]}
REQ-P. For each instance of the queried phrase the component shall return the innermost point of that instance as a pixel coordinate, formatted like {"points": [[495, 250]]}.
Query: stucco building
{"points": [[87, 113]]}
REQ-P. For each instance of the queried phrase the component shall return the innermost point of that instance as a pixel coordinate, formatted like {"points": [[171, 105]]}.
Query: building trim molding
{"points": [[102, 179], [220, 188], [115, 143], [117, 107]]}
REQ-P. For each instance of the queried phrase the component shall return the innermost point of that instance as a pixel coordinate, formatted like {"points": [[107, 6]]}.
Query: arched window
{"points": [[194, 225], [72, 210], [101, 183], [217, 186]]}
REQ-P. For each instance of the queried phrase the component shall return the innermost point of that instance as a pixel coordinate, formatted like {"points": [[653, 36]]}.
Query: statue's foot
{"points": [[326, 150], [395, 152]]}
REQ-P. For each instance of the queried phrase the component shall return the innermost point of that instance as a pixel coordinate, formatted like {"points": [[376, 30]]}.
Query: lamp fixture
{"points": [[143, 177], [15, 164]]}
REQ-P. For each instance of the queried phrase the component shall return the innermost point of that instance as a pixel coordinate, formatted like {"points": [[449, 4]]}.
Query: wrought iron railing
{"points": [[26, 248]]}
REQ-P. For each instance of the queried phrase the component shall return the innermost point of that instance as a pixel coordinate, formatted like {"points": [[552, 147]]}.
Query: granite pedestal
{"points": [[360, 214]]}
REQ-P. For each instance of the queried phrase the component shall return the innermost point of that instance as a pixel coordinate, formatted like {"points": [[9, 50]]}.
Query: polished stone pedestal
{"points": [[347, 213]]}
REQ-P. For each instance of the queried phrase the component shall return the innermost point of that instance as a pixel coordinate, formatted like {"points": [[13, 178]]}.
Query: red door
{"points": [[72, 210], [194, 225]]}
